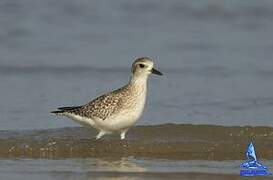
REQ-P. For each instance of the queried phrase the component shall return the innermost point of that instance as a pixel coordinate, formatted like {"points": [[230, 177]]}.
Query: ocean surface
{"points": [[216, 57], [217, 60]]}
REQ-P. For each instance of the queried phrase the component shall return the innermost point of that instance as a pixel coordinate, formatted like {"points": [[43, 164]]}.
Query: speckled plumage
{"points": [[108, 104], [118, 110]]}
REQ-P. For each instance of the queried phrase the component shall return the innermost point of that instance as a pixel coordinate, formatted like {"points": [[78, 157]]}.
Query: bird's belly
{"points": [[121, 121]]}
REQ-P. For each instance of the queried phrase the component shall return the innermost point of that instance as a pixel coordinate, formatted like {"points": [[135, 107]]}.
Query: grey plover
{"points": [[116, 111]]}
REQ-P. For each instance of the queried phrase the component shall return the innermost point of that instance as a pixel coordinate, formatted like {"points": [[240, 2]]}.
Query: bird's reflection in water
{"points": [[109, 168], [123, 164]]}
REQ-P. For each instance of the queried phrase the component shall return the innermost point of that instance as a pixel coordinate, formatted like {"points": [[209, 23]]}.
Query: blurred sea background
{"points": [[216, 57]]}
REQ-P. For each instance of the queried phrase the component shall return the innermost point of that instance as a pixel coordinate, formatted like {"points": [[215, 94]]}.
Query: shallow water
{"points": [[149, 152], [126, 168], [71, 153]]}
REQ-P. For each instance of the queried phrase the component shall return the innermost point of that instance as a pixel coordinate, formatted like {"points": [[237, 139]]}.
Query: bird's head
{"points": [[144, 66]]}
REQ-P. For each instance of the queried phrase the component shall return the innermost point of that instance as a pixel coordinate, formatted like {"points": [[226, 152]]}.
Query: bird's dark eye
{"points": [[141, 65]]}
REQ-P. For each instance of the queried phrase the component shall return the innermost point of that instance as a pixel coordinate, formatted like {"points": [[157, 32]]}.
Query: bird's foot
{"points": [[99, 136]]}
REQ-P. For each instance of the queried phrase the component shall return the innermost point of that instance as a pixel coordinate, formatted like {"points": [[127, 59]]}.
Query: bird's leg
{"points": [[122, 134], [101, 133]]}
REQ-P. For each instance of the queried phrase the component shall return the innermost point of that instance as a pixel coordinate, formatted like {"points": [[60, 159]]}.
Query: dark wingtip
{"points": [[69, 108], [56, 112]]}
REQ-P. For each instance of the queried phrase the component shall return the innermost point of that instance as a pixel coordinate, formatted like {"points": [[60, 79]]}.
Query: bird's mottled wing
{"points": [[102, 107]]}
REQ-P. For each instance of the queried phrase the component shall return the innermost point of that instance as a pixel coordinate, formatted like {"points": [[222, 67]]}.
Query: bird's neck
{"points": [[140, 80], [137, 87]]}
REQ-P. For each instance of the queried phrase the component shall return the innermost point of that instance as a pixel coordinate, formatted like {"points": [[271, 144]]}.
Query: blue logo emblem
{"points": [[252, 167]]}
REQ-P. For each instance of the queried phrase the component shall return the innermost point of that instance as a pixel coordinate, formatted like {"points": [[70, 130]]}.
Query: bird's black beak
{"points": [[154, 71]]}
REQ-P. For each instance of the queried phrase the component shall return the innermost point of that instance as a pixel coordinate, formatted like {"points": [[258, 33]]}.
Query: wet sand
{"points": [[169, 141]]}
